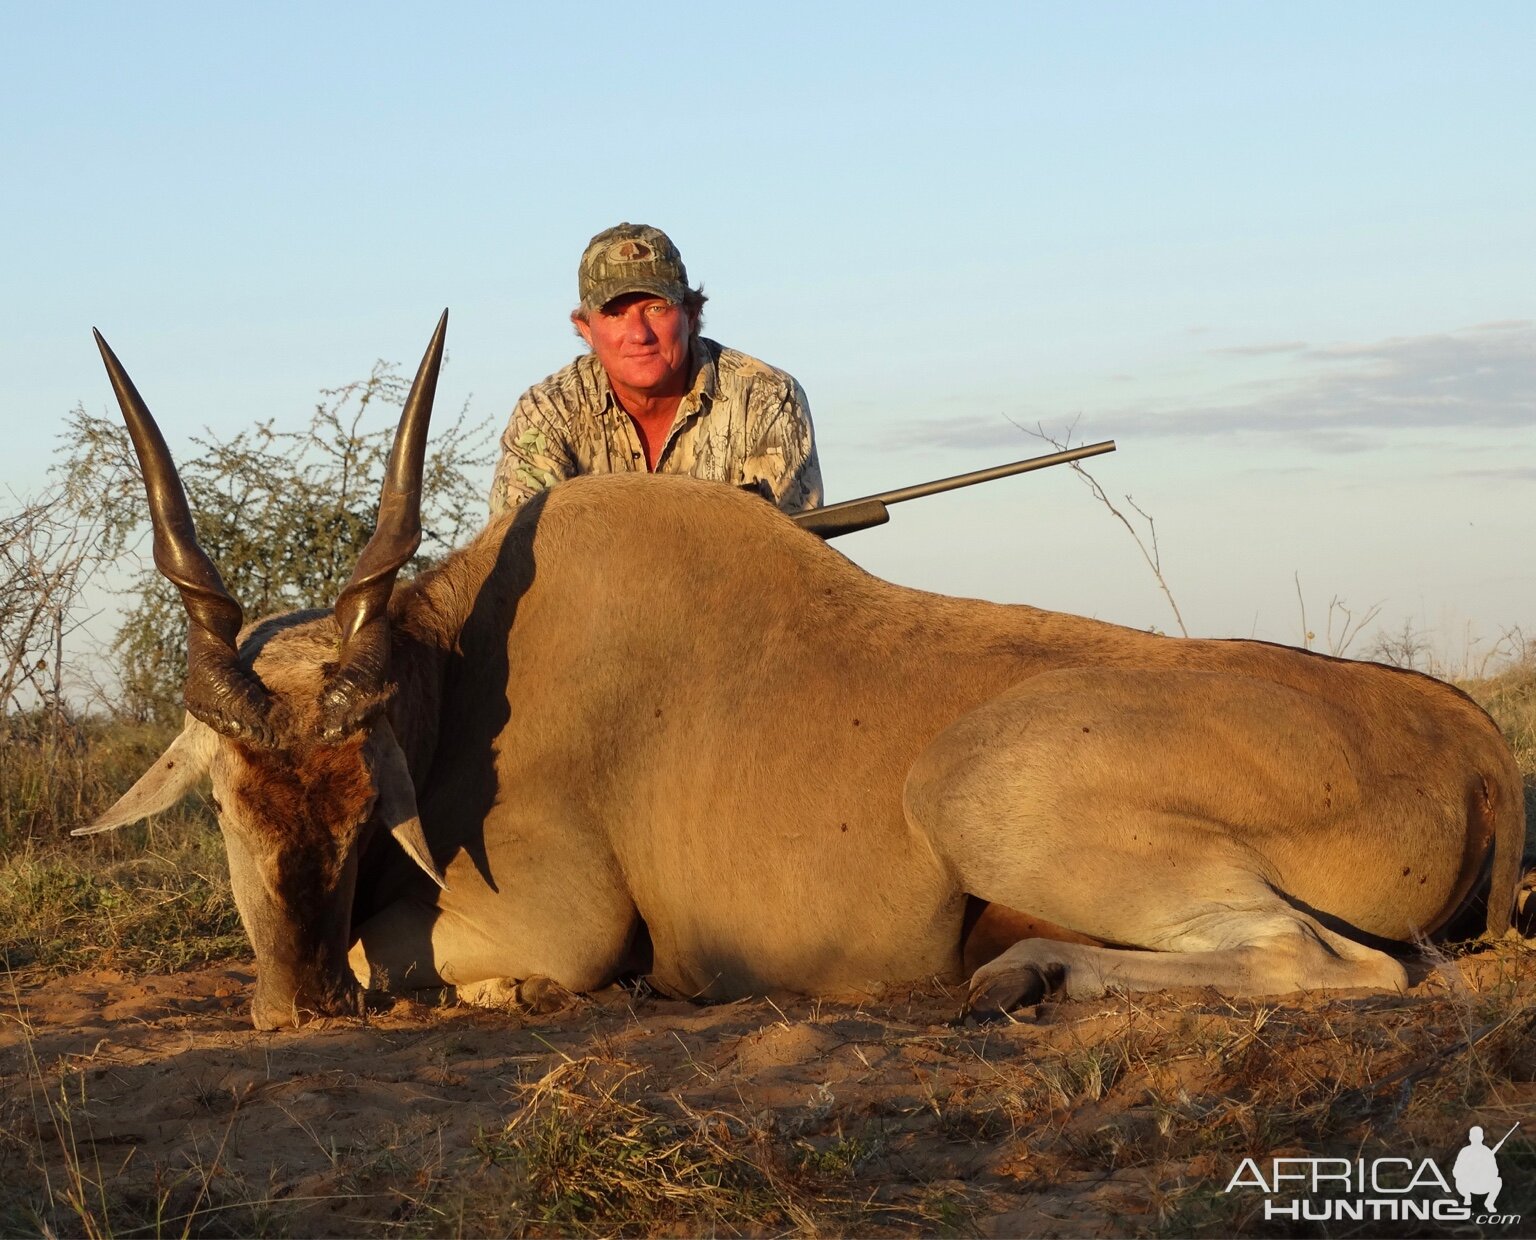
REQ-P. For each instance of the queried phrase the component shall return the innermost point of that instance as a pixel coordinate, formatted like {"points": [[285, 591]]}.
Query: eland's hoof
{"points": [[542, 996], [997, 992], [538, 995]]}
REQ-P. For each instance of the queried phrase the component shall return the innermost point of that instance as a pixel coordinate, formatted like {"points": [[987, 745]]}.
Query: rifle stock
{"points": [[871, 510]]}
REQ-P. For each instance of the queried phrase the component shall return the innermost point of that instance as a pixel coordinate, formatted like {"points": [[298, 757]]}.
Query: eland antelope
{"points": [[648, 722]]}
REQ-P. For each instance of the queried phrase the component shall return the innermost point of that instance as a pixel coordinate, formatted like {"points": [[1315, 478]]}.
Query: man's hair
{"points": [[693, 303]]}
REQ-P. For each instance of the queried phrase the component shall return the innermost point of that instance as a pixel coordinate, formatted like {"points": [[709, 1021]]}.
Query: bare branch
{"points": [[49, 551], [1343, 627], [1148, 546]]}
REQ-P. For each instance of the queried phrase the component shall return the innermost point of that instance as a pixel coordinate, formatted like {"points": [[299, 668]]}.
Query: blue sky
{"points": [[1283, 254]]}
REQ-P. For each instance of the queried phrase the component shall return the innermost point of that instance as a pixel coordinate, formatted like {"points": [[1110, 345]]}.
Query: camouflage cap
{"points": [[630, 258]]}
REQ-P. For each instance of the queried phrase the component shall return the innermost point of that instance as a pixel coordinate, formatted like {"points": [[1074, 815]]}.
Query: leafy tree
{"points": [[283, 513]]}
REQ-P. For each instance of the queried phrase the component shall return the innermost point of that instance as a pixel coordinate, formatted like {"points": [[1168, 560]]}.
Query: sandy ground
{"points": [[152, 1096]]}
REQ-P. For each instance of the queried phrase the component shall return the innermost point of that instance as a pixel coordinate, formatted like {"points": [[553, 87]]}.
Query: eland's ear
{"points": [[171, 777], [396, 806]]}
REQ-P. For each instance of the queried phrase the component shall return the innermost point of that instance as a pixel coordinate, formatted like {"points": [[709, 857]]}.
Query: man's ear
{"points": [[583, 328]]}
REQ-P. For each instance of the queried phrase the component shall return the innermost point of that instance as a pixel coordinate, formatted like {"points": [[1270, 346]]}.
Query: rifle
{"points": [[1505, 1137], [861, 514]]}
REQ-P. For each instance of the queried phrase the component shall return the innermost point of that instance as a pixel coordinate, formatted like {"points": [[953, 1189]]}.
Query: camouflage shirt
{"points": [[741, 422]]}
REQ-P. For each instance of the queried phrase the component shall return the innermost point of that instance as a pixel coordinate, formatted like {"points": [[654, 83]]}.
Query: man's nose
{"points": [[640, 329]]}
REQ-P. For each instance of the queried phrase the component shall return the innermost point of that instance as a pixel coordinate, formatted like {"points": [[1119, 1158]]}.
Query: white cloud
{"points": [[1333, 398], [1261, 350], [1515, 473]]}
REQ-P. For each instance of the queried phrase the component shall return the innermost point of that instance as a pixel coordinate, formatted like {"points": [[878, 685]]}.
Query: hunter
{"points": [[653, 395]]}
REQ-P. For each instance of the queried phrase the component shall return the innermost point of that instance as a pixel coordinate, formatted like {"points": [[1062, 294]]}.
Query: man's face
{"points": [[641, 341]]}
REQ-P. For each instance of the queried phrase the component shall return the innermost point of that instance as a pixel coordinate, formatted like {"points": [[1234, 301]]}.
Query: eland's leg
{"points": [[1246, 941], [417, 946], [1214, 822], [495, 945]]}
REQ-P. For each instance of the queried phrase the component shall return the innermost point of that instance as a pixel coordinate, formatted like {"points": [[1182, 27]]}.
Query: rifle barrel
{"points": [[918, 490], [997, 471]]}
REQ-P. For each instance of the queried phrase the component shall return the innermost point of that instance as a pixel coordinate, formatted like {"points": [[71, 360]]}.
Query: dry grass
{"points": [[57, 774], [1122, 1117], [1510, 697], [157, 910], [59, 1180], [589, 1152], [148, 898]]}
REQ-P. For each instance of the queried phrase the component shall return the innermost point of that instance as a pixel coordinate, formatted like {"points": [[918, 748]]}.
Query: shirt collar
{"points": [[701, 392]]}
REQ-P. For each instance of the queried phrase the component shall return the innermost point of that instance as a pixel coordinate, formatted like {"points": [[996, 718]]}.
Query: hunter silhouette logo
{"points": [[1477, 1170], [1381, 1189]]}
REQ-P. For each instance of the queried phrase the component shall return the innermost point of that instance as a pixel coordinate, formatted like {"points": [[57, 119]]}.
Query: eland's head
{"points": [[289, 721]]}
